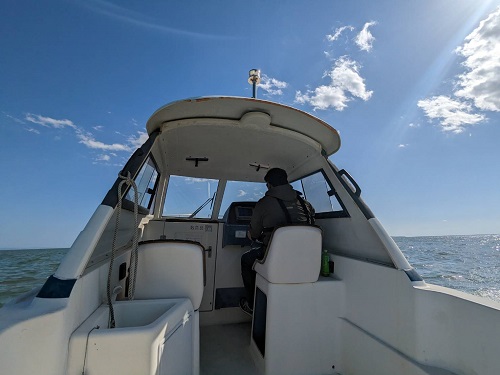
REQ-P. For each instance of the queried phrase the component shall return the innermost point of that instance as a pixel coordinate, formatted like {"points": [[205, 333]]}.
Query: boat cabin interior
{"points": [[153, 282]]}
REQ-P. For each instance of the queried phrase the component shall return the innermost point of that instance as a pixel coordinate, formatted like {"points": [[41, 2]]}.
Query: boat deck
{"points": [[225, 349]]}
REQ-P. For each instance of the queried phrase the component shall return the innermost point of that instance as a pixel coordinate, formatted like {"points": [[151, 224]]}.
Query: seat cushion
{"points": [[170, 269], [293, 255]]}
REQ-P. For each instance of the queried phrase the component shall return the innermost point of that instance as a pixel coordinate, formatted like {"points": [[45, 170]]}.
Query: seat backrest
{"points": [[293, 255], [170, 269]]}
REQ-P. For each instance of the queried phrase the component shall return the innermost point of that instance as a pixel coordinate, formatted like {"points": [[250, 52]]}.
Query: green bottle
{"points": [[325, 263]]}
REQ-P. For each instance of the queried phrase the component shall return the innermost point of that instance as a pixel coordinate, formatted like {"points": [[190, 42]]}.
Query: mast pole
{"points": [[254, 80]]}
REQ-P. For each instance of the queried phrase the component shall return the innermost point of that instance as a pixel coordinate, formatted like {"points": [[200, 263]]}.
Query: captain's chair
{"points": [[287, 303], [293, 255]]}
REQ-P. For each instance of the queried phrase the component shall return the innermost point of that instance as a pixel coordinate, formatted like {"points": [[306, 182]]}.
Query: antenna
{"points": [[254, 80]]}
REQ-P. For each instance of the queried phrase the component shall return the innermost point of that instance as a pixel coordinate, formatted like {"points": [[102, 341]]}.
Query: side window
{"points": [[241, 191], [146, 182], [321, 195], [189, 197]]}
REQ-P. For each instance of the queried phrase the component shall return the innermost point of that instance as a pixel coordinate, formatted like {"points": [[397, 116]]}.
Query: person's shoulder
{"points": [[265, 199], [265, 202]]}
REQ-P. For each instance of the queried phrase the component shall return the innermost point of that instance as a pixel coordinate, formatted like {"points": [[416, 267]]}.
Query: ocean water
{"points": [[467, 263], [24, 270]]}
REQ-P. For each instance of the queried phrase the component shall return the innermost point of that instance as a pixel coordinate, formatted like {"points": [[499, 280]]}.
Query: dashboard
{"points": [[236, 223]]}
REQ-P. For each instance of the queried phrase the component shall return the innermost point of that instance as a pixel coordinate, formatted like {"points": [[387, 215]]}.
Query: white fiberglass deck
{"points": [[224, 349]]}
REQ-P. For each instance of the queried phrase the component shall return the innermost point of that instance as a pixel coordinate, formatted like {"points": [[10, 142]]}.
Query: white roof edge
{"points": [[230, 107]]}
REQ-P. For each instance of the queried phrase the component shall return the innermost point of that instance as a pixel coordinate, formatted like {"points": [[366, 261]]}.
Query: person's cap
{"points": [[276, 177]]}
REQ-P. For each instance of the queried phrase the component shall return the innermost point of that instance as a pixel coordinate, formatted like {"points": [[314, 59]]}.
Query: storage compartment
{"points": [[150, 337], [283, 327]]}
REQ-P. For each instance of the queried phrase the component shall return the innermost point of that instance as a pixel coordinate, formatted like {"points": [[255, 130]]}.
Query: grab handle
{"points": [[357, 189]]}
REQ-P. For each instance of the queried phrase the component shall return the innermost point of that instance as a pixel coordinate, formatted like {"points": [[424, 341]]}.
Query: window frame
{"points": [[331, 214], [128, 204]]}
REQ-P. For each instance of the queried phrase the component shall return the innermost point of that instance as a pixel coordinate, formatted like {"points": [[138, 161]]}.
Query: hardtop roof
{"points": [[234, 108]]}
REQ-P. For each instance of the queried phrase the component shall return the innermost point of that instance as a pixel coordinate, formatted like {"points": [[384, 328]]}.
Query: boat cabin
{"points": [[153, 282]]}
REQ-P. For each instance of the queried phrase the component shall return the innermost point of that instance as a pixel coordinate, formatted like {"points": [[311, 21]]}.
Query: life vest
{"points": [[309, 217], [305, 207]]}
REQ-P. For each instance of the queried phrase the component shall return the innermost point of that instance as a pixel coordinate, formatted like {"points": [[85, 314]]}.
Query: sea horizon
{"points": [[5, 248], [465, 262]]}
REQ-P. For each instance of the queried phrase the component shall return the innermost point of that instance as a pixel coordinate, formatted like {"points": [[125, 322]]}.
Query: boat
{"points": [[152, 284]]}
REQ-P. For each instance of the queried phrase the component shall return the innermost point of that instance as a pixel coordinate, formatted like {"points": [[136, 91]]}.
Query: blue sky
{"points": [[413, 87]]}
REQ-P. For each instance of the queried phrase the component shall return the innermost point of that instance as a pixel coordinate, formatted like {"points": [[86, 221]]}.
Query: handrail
{"points": [[356, 194], [357, 190]]}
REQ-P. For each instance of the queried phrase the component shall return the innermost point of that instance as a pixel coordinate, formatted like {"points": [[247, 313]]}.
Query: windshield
{"points": [[241, 191], [190, 197]]}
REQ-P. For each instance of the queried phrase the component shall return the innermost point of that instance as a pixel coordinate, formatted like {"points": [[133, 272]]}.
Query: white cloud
{"points": [[453, 115], [136, 141], [365, 39], [272, 86], [103, 157], [14, 118], [241, 193], [328, 55], [346, 83], [137, 19], [403, 145], [412, 125], [338, 32], [88, 140], [49, 122], [478, 88], [323, 97], [481, 82], [345, 75], [33, 130], [192, 180]]}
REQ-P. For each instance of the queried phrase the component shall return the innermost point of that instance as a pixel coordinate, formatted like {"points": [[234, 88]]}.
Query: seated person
{"points": [[281, 205]]}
